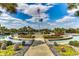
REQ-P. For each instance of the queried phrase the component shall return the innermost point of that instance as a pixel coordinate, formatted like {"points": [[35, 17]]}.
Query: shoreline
{"points": [[65, 38]]}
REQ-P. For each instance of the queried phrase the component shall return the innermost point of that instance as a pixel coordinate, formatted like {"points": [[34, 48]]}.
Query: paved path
{"points": [[39, 49]]}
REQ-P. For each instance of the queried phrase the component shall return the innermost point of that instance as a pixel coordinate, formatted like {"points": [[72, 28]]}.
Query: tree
{"points": [[70, 30], [74, 6], [10, 7], [59, 31]]}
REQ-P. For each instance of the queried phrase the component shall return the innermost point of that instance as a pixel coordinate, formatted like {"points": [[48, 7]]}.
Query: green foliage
{"points": [[59, 31], [68, 50], [52, 36], [56, 44], [0, 44], [72, 5], [70, 30], [9, 51], [11, 7], [16, 47], [9, 43], [23, 43], [77, 13], [74, 43]]}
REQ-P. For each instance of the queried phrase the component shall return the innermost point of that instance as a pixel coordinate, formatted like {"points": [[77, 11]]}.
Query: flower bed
{"points": [[25, 36], [52, 36]]}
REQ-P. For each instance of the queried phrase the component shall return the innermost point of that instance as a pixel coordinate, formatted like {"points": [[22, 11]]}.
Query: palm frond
{"points": [[10, 7]]}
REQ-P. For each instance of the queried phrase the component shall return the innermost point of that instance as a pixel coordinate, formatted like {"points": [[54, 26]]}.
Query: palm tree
{"points": [[59, 31], [72, 6], [10, 7]]}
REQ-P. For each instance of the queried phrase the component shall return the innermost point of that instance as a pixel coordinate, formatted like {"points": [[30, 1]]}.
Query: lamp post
{"points": [[39, 18]]}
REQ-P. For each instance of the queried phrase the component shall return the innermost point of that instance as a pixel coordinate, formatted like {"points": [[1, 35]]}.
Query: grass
{"points": [[69, 51], [9, 51], [74, 43]]}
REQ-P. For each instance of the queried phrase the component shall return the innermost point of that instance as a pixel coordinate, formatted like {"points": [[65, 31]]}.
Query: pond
{"points": [[75, 37], [8, 38]]}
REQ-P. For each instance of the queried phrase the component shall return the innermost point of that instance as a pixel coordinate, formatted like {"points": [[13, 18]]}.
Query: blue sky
{"points": [[53, 15], [56, 12]]}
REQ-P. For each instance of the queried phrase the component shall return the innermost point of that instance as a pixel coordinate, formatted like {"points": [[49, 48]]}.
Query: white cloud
{"points": [[72, 12], [66, 19], [68, 22], [2, 9], [32, 9], [11, 22], [36, 18]]}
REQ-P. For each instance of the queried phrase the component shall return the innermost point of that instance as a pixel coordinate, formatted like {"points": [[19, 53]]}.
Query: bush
{"points": [[0, 44], [63, 49], [16, 47], [9, 43], [23, 43], [55, 43], [74, 43]]}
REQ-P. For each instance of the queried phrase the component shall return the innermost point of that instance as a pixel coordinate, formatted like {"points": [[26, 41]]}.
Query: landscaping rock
{"points": [[3, 47]]}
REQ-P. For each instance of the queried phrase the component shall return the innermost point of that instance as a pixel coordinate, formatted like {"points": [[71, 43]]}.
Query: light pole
{"points": [[39, 18]]}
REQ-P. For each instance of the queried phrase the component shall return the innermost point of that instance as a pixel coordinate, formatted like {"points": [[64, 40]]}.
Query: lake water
{"points": [[66, 41], [58, 41], [7, 38]]}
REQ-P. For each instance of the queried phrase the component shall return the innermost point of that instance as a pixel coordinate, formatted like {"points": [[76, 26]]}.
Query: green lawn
{"points": [[8, 52], [69, 51], [74, 43]]}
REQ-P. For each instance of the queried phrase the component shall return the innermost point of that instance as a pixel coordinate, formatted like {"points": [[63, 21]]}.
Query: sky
{"points": [[53, 15]]}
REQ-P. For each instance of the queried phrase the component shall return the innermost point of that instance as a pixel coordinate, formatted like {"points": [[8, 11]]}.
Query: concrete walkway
{"points": [[39, 49]]}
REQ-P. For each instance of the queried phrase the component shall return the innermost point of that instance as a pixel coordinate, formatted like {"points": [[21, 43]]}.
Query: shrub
{"points": [[55, 43], [16, 47], [23, 43], [74, 43], [63, 50], [9, 43], [0, 44]]}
